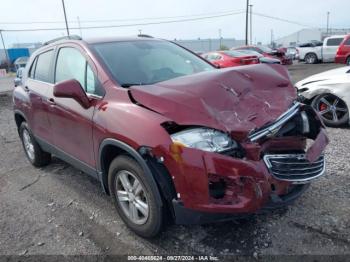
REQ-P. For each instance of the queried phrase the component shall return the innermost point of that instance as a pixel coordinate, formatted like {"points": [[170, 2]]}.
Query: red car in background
{"points": [[230, 58], [343, 53], [268, 52]]}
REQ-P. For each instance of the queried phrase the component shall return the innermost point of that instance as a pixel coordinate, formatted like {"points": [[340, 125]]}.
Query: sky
{"points": [[310, 13]]}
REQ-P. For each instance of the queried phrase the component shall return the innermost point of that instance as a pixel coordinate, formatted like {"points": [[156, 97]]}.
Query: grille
{"points": [[294, 167]]}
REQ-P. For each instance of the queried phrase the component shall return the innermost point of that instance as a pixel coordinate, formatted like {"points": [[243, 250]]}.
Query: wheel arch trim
{"points": [[103, 174], [20, 113]]}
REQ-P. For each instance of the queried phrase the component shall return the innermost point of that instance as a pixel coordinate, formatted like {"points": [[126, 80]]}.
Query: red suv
{"points": [[343, 53], [169, 136]]}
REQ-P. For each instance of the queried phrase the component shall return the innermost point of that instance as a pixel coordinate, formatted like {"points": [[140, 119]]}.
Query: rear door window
{"points": [[43, 65], [334, 41]]}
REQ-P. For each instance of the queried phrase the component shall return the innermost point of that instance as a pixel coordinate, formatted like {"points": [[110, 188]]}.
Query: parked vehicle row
{"points": [[326, 52], [262, 59], [279, 54], [171, 138], [231, 58]]}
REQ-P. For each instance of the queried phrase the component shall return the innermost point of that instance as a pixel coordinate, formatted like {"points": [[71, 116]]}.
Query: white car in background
{"points": [[321, 53], [329, 94]]}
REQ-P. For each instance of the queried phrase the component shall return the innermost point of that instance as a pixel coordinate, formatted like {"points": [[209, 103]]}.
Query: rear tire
{"points": [[134, 198], [34, 153], [311, 58]]}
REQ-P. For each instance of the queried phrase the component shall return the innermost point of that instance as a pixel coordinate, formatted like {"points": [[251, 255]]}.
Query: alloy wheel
{"points": [[28, 144], [311, 59], [331, 108], [132, 197]]}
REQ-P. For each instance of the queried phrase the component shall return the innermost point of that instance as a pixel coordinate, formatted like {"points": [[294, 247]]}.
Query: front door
{"points": [[71, 123]]}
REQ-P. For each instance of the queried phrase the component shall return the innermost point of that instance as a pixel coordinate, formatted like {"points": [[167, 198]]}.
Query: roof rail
{"points": [[69, 37], [143, 35]]}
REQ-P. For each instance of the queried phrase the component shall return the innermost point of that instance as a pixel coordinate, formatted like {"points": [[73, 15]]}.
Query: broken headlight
{"points": [[205, 139]]}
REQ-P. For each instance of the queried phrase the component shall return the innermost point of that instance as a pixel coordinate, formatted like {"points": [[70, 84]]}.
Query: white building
{"points": [[307, 35]]}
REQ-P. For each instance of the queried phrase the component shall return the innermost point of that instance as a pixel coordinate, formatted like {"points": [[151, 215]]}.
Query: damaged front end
{"points": [[235, 148], [270, 168], [298, 167]]}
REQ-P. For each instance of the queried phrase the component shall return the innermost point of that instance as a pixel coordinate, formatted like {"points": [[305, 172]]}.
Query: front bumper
{"points": [[339, 59], [249, 185], [186, 216]]}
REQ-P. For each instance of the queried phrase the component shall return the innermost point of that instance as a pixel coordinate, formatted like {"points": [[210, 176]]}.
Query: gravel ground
{"points": [[6, 84], [57, 210]]}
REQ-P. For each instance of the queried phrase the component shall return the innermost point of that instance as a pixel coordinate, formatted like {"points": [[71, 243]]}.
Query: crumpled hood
{"points": [[234, 100]]}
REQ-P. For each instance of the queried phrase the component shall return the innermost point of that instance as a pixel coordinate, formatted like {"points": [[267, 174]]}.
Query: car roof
{"points": [[335, 36], [119, 39], [88, 41]]}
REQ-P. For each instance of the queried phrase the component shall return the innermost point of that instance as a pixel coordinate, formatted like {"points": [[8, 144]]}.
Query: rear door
{"points": [[71, 123], [36, 85], [330, 48]]}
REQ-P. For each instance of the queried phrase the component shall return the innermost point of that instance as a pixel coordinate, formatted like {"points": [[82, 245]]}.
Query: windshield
{"points": [[143, 62]]}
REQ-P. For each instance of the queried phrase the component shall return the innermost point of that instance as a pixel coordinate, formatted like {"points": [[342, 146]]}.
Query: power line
{"points": [[282, 19], [124, 25], [123, 20]]}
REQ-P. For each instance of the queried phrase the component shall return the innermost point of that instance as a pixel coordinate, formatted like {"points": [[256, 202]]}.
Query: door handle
{"points": [[51, 101]]}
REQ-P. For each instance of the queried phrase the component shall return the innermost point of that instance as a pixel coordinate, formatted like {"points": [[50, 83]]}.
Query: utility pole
{"points": [[246, 23], [271, 38], [328, 23], [5, 50], [220, 39], [81, 32], [65, 17], [251, 24]]}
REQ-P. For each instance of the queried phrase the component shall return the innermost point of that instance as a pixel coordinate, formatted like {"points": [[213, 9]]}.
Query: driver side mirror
{"points": [[72, 89]]}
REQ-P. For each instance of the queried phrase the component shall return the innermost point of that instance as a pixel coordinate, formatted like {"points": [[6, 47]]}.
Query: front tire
{"points": [[333, 110], [348, 61], [311, 58], [134, 198], [34, 153]]}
